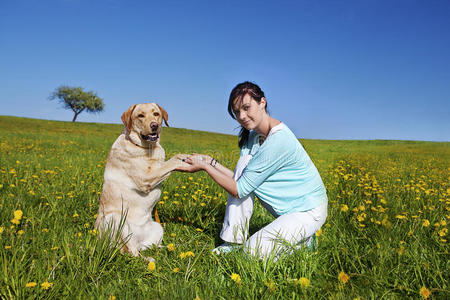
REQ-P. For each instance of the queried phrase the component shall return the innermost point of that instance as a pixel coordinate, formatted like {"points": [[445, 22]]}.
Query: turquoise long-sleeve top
{"points": [[281, 173]]}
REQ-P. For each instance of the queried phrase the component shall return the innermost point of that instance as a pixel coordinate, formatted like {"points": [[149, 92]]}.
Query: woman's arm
{"points": [[225, 181], [221, 168], [209, 160]]}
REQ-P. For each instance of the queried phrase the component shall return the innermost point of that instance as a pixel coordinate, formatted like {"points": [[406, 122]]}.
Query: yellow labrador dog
{"points": [[134, 171]]}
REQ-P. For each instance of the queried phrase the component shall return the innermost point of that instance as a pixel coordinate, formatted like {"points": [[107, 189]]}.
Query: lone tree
{"points": [[76, 99]]}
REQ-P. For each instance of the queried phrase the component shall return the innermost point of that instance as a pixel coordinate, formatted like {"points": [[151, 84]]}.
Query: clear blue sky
{"points": [[363, 69]]}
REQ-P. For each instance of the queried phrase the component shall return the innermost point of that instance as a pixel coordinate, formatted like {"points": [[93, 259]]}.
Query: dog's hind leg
{"points": [[151, 235], [119, 232]]}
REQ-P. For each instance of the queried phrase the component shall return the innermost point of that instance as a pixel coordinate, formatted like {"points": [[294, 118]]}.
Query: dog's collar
{"points": [[140, 146], [127, 136]]}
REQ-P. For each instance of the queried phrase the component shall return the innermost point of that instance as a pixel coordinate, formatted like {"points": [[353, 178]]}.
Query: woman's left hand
{"points": [[196, 163]]}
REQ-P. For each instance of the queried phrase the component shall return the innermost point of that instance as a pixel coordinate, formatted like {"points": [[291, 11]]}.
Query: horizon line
{"points": [[320, 139]]}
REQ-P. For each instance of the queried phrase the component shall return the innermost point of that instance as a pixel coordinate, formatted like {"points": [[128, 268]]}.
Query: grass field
{"points": [[386, 236]]}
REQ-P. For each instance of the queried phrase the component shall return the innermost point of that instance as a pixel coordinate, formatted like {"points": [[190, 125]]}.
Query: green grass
{"points": [[387, 226]]}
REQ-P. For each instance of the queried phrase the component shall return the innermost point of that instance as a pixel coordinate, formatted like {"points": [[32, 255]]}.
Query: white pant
{"points": [[291, 229]]}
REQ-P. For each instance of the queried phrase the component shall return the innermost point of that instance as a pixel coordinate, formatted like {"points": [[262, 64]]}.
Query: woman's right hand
{"points": [[196, 163], [202, 157]]}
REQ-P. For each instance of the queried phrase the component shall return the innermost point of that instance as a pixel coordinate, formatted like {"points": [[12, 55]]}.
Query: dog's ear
{"points": [[126, 117], [164, 114]]}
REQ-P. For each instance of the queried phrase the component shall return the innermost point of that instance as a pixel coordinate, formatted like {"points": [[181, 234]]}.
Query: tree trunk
{"points": [[76, 114]]}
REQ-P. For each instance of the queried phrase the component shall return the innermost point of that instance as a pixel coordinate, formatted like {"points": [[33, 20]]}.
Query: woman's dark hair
{"points": [[236, 95]]}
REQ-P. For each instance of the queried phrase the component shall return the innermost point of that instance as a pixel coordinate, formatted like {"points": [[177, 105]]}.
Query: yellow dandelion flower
{"points": [[426, 223], [190, 254], [343, 277], [1, 229], [112, 297], [20, 232], [46, 285], [318, 232], [176, 270], [182, 255], [197, 298], [361, 217], [15, 221], [45, 230], [344, 208], [18, 214], [75, 215], [173, 235], [304, 282], [236, 278], [424, 292], [151, 266], [443, 232], [31, 284], [401, 250], [7, 247], [171, 247]]}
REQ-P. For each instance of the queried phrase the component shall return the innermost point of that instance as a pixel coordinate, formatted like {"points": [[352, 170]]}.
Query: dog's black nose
{"points": [[154, 125]]}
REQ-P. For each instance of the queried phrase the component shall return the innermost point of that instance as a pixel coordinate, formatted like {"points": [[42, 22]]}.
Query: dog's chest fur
{"points": [[126, 158]]}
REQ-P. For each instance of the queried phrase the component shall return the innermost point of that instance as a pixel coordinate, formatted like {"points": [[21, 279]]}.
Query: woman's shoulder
{"points": [[282, 140], [282, 133]]}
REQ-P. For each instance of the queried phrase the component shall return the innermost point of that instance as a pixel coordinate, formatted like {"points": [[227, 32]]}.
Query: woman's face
{"points": [[249, 113]]}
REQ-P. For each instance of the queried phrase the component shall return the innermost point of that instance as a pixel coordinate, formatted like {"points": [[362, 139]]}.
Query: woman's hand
{"points": [[197, 162], [202, 157]]}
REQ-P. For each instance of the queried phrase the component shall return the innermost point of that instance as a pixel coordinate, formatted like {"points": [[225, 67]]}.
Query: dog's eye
{"points": [[141, 116], [156, 114]]}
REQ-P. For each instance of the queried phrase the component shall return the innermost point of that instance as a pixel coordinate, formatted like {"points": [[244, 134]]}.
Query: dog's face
{"points": [[145, 121]]}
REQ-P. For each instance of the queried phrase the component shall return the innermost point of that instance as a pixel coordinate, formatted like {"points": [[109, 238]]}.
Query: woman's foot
{"points": [[226, 248]]}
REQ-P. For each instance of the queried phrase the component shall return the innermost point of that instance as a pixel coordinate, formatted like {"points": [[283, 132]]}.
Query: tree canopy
{"points": [[76, 99]]}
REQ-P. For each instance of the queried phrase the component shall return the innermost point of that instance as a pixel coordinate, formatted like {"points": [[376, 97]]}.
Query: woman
{"points": [[273, 166]]}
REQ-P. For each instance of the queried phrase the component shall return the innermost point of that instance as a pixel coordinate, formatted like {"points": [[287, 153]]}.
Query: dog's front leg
{"points": [[159, 175], [156, 176]]}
